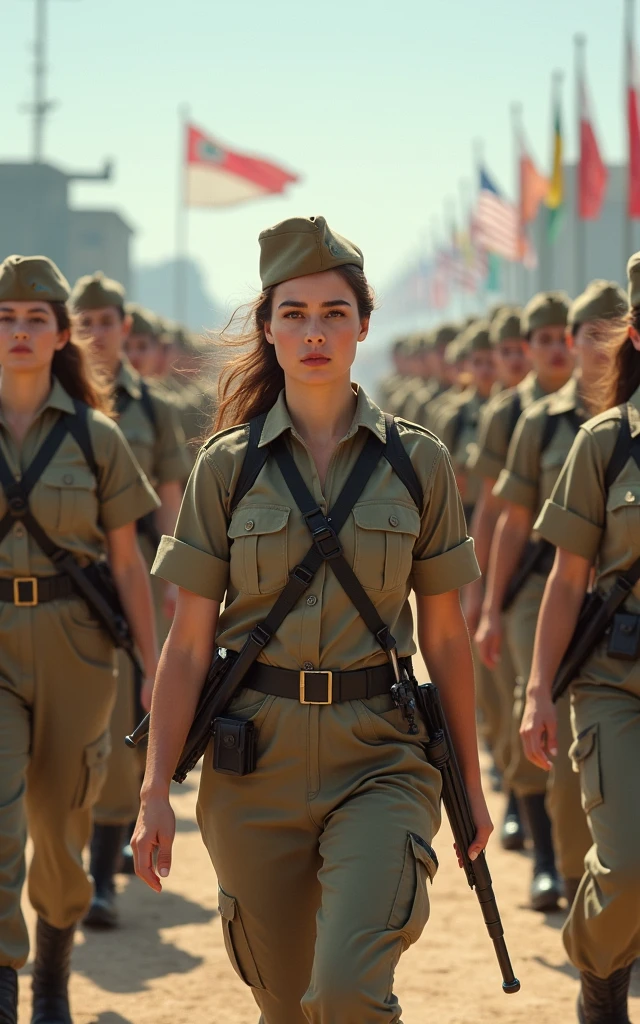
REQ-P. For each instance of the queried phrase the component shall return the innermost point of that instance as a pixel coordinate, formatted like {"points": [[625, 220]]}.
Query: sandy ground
{"points": [[167, 964]]}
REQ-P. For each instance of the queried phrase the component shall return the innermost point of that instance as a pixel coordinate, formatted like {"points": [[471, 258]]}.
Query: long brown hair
{"points": [[74, 371], [622, 374], [250, 384]]}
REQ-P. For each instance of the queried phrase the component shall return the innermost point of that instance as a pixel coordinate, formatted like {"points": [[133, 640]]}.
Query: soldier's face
{"points": [[142, 351], [482, 366], [512, 361], [549, 353], [591, 348], [104, 331], [315, 327], [29, 336]]}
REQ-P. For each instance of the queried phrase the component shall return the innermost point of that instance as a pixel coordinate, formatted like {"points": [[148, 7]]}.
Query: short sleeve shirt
{"points": [[74, 508], [458, 430], [391, 545], [489, 457], [585, 519], [160, 446]]}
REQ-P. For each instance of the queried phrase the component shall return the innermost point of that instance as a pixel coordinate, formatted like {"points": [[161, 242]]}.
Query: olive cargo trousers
{"points": [[571, 837], [57, 688], [602, 933], [322, 856]]}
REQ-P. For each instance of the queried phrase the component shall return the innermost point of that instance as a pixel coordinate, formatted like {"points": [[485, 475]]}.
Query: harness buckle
{"points": [[327, 543], [23, 597], [303, 687]]}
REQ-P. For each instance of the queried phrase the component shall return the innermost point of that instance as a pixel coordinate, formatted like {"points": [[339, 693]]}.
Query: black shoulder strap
{"points": [[147, 404], [551, 423], [254, 460], [622, 449], [17, 491], [396, 455], [78, 427], [515, 411]]}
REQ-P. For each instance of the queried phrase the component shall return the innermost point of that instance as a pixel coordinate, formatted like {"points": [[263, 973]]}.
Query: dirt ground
{"points": [[167, 964]]}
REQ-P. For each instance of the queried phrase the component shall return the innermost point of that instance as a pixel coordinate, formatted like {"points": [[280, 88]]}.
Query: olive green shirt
{"points": [[161, 448], [581, 517], [488, 458], [530, 473], [457, 427], [73, 508], [391, 545]]}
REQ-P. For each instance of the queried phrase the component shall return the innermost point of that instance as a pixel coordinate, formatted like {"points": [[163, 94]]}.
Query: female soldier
{"points": [[322, 853], [67, 468], [593, 521]]}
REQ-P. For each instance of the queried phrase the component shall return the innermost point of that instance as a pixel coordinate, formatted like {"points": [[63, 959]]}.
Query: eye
{"points": [[336, 312], [293, 314]]}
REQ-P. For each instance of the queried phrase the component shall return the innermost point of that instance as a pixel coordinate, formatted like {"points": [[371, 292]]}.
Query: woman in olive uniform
{"points": [[57, 670], [322, 853]]}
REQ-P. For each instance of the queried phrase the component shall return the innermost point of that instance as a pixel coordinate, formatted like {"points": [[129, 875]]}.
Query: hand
{"points": [[483, 823], [472, 598], [539, 729], [153, 839], [146, 692], [489, 638], [169, 600]]}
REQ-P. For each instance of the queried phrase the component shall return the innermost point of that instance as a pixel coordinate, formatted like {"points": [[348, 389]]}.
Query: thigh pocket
{"points": [[410, 911], [93, 772], [585, 754], [235, 940]]}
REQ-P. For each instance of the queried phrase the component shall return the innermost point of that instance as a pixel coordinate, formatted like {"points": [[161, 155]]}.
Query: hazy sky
{"points": [[375, 104]]}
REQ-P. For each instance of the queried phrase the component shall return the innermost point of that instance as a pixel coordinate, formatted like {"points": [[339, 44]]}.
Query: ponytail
{"points": [[72, 368]]}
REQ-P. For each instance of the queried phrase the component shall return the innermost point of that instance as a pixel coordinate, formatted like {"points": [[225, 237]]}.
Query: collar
{"points": [[565, 399], [531, 388], [128, 379], [367, 415], [58, 398]]}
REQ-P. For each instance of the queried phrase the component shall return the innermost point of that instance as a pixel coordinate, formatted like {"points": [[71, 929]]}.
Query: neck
{"points": [[22, 394], [322, 414], [552, 383]]}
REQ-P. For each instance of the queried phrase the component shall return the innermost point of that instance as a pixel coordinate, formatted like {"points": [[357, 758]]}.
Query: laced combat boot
{"points": [[8, 995], [546, 888], [51, 970], [512, 832], [604, 1000], [106, 850]]}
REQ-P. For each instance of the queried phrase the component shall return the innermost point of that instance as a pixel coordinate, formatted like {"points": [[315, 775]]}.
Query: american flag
{"points": [[496, 224]]}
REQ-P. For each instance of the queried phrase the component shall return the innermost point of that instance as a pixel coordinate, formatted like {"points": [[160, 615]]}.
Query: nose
{"points": [[20, 332], [315, 331]]}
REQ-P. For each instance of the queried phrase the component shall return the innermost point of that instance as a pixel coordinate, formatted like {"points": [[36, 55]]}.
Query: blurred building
{"points": [[36, 218]]}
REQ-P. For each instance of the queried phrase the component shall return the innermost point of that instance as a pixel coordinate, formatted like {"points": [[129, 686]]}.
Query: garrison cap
{"points": [[546, 309], [445, 334], [301, 246], [601, 300], [144, 321], [495, 311], [421, 341], [23, 278], [633, 276], [95, 291], [475, 338], [507, 324]]}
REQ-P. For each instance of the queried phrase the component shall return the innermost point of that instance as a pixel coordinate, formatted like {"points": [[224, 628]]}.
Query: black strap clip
{"points": [[302, 575], [17, 501], [260, 635], [324, 536]]}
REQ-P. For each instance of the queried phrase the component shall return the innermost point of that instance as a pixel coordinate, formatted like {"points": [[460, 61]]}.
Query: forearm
{"points": [[507, 546], [556, 624], [134, 590], [166, 515]]}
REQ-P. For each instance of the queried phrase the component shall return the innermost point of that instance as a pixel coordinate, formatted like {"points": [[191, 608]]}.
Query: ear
{"points": [[62, 339], [364, 329], [267, 333], [635, 338], [569, 339], [127, 324]]}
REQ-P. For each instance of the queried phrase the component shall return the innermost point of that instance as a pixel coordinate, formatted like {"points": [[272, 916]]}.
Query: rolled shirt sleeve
{"points": [[574, 516], [125, 493], [519, 481]]}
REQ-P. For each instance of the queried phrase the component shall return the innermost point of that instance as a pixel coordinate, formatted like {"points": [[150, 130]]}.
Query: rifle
{"points": [[440, 753]]}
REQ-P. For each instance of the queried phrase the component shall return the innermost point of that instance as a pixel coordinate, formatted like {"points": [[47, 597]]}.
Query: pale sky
{"points": [[375, 104]]}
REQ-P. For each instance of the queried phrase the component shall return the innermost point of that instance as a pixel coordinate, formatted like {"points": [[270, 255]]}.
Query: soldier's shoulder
{"points": [[421, 443], [605, 422]]}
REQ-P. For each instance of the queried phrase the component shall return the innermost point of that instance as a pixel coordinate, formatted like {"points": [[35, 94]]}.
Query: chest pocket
{"points": [[551, 463], [65, 498], [385, 534], [623, 516], [258, 557]]}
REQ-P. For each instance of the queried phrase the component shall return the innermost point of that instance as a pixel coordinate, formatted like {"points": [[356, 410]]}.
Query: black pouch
{"points": [[234, 746], [624, 638]]}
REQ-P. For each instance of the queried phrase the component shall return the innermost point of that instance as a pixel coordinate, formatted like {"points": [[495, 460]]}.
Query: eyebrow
{"points": [[33, 309], [303, 305]]}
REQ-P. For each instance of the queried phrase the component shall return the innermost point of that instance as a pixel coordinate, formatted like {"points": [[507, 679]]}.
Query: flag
{"points": [[633, 136], [592, 172], [493, 275], [495, 221], [555, 195], [217, 176], [533, 187]]}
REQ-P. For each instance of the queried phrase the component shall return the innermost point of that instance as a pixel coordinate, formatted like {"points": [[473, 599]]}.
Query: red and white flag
{"points": [[633, 133], [592, 172], [217, 176]]}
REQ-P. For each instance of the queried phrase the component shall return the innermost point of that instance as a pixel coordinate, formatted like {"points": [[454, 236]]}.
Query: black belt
{"points": [[28, 591], [320, 687]]}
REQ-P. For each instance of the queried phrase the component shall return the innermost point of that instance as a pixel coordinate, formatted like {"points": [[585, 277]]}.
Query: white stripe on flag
{"points": [[213, 186], [496, 225]]}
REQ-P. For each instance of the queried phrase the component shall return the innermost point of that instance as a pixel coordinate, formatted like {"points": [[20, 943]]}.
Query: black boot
{"points": [[126, 866], [106, 849], [546, 888], [8, 995], [51, 970], [512, 832], [604, 1001]]}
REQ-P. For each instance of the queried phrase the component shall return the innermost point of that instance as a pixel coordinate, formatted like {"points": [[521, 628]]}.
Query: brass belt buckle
{"points": [[19, 601], [303, 686]]}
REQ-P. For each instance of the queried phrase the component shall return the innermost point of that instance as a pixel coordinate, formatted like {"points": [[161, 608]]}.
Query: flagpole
{"points": [[580, 234], [556, 99], [516, 127], [181, 298], [627, 233]]}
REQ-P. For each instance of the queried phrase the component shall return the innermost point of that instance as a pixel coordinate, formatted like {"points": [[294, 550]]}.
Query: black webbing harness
{"points": [[146, 525]]}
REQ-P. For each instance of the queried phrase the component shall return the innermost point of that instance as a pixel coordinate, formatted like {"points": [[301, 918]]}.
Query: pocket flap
{"points": [[424, 854], [623, 496], [226, 905], [392, 518], [584, 744], [250, 520], [69, 477], [96, 753]]}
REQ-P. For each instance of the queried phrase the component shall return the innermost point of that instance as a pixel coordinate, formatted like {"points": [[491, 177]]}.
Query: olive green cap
{"points": [[506, 325], [633, 277], [95, 291], [495, 311], [601, 300], [421, 341], [445, 334], [23, 278], [546, 309], [475, 338], [301, 246], [143, 320]]}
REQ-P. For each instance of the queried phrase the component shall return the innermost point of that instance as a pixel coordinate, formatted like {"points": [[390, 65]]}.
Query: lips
{"points": [[19, 349], [316, 360]]}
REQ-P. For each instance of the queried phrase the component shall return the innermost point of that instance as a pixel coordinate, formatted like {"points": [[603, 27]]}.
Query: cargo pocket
{"points": [[258, 556], [385, 537], [410, 911], [235, 941], [93, 772], [585, 754]]}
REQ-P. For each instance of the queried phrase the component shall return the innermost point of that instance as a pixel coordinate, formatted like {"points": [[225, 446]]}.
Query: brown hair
{"points": [[72, 368], [621, 377], [250, 384]]}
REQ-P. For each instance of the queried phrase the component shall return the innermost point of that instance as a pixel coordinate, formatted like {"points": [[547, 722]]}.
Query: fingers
{"points": [[480, 842], [143, 849], [163, 859], [539, 740]]}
